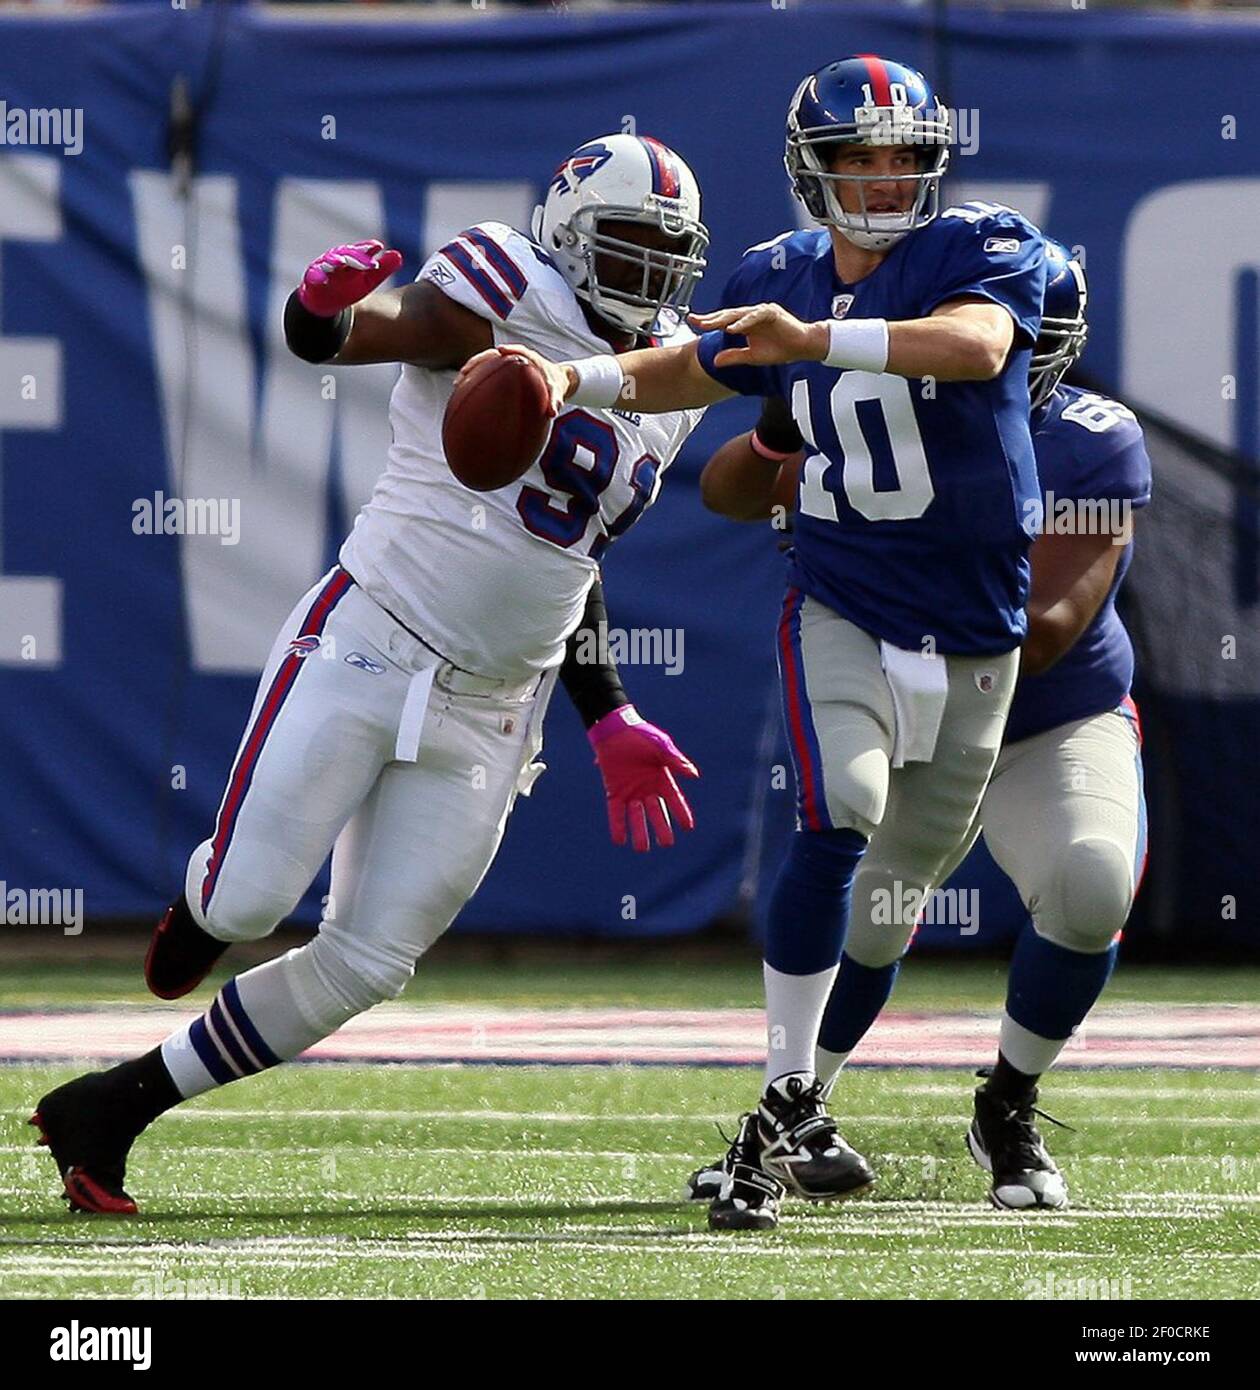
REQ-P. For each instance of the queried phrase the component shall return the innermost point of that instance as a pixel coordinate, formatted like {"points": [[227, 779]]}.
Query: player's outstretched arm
{"points": [[965, 339], [752, 474], [649, 380], [337, 314], [743, 485], [962, 340], [1071, 577], [638, 762]]}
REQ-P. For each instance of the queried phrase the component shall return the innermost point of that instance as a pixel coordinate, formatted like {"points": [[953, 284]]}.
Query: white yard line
{"points": [[625, 1117]]}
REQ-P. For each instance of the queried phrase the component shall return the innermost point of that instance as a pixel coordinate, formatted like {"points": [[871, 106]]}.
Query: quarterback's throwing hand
{"points": [[637, 762], [345, 274], [556, 376], [774, 336]]}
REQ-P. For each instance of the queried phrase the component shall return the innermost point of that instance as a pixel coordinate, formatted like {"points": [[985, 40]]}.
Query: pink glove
{"points": [[344, 275], [637, 762]]}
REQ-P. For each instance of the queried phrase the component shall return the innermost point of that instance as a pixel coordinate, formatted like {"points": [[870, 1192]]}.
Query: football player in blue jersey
{"points": [[1064, 823], [1063, 817], [897, 341]]}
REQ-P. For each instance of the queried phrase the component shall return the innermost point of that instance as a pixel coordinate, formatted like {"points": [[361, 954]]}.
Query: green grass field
{"points": [[505, 1182]]}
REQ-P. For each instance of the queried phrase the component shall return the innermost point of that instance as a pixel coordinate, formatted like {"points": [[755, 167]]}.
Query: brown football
{"points": [[496, 423]]}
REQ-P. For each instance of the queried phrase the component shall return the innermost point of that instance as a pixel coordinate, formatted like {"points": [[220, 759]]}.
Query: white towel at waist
{"points": [[919, 686]]}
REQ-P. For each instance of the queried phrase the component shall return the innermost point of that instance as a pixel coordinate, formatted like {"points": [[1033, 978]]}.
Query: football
{"points": [[496, 423]]}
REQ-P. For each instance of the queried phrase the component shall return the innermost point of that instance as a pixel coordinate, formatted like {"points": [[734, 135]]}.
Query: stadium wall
{"points": [[141, 354]]}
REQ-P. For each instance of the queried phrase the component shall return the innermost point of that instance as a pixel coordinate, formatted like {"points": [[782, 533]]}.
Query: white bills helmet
{"points": [[624, 178]]}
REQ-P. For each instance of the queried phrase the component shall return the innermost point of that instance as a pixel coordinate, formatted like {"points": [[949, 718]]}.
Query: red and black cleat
{"points": [[180, 954], [88, 1145]]}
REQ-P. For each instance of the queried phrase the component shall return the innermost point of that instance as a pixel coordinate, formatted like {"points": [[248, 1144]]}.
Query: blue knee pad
{"points": [[809, 909]]}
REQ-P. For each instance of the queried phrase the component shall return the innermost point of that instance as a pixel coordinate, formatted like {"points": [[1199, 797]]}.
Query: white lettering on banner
{"points": [[275, 458], [1184, 250], [30, 399], [450, 207]]}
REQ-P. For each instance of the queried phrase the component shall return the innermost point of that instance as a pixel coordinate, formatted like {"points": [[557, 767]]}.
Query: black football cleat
{"points": [[80, 1126], [180, 954], [703, 1185], [1004, 1141], [801, 1144], [746, 1197]]}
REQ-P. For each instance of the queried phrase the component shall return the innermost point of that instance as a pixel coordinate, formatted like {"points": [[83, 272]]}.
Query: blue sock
{"points": [[859, 993], [1050, 989], [809, 909]]}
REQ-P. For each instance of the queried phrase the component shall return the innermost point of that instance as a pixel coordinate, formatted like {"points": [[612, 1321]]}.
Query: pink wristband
{"points": [[758, 447], [623, 717]]}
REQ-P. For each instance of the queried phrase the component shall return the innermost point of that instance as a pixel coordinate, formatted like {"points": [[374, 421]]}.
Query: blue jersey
{"points": [[1089, 449], [912, 519]]}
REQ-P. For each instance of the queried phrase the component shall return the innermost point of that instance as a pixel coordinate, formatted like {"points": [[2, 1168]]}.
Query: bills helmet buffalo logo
{"points": [[580, 165]]}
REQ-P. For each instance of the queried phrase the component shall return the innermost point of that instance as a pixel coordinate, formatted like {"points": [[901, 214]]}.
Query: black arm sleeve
{"points": [[777, 429], [310, 337], [588, 674]]}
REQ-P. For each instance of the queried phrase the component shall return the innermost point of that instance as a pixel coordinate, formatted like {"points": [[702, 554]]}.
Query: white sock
{"points": [[794, 1010], [1025, 1051], [827, 1066], [266, 1015]]}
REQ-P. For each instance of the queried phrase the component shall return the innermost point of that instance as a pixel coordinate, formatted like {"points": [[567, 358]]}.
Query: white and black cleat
{"points": [[1004, 1141], [801, 1145], [705, 1183], [744, 1196]]}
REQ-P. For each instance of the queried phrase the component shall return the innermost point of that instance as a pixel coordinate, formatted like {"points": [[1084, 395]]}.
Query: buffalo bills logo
{"points": [[579, 166], [304, 646]]}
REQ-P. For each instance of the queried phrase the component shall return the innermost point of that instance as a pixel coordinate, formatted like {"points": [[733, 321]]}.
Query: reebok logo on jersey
{"points": [[438, 273], [365, 663], [1002, 245]]}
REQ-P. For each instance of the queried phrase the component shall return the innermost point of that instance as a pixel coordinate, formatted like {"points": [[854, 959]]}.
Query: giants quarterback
{"points": [[449, 616], [897, 342], [1063, 818]]}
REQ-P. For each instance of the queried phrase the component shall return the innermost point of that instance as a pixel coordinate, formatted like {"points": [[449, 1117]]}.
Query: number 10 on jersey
{"points": [[856, 471]]}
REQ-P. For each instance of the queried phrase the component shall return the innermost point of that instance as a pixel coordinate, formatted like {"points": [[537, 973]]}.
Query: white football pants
{"points": [[363, 741]]}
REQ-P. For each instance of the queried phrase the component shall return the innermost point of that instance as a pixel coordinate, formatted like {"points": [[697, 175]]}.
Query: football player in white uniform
{"points": [[400, 711]]}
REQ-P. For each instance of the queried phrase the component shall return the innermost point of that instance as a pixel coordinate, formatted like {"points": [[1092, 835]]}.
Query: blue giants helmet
{"points": [[1063, 327], [866, 100]]}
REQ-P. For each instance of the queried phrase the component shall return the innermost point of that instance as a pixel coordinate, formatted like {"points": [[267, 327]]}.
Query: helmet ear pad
{"points": [[536, 224]]}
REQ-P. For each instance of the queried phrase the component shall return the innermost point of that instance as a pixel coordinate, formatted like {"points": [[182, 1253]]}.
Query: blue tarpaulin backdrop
{"points": [[118, 301]]}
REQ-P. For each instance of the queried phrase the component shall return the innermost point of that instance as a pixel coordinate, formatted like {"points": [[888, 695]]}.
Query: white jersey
{"points": [[498, 581]]}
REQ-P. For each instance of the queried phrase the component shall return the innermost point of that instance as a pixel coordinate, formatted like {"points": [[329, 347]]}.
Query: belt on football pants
{"points": [[454, 679]]}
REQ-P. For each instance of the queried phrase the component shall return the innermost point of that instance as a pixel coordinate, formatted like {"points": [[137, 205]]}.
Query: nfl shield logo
{"points": [[985, 681], [841, 305]]}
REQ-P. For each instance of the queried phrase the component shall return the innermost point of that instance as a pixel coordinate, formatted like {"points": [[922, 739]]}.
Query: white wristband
{"points": [[860, 345], [599, 381]]}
